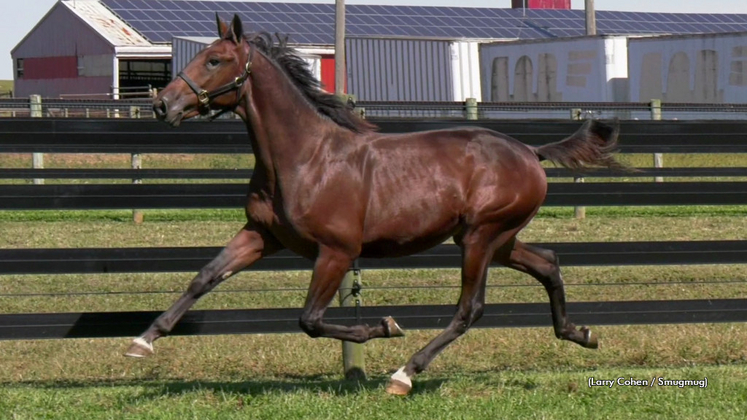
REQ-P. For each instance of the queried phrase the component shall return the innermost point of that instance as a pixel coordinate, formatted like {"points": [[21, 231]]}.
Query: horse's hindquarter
{"points": [[424, 187]]}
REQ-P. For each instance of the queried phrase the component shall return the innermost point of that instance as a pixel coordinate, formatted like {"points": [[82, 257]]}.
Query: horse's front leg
{"points": [[329, 270], [248, 246]]}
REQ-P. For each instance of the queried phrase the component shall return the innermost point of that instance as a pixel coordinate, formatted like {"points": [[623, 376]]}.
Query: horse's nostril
{"points": [[160, 108]]}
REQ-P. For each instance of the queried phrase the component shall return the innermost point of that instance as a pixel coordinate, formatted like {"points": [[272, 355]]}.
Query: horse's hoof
{"points": [[392, 328], [139, 348], [395, 387], [590, 339], [399, 383]]}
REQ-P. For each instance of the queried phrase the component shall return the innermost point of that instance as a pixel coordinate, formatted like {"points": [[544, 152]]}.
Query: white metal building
{"points": [[706, 68], [382, 69], [580, 69]]}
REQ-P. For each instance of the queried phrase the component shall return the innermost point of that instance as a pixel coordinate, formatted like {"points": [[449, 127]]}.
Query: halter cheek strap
{"points": [[204, 97]]}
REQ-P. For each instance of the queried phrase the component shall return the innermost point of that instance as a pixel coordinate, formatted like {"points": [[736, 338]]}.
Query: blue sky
{"points": [[22, 15]]}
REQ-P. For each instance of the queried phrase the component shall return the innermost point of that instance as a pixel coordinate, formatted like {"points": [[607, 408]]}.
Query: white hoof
{"points": [[399, 383], [140, 348]]}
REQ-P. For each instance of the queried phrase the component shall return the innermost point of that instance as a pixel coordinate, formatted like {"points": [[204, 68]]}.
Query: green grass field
{"points": [[497, 373], [6, 85], [481, 395]]}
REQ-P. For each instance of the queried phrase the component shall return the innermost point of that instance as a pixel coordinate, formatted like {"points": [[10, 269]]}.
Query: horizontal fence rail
{"points": [[190, 196], [19, 103], [117, 108], [23, 173], [181, 259], [26, 135], [612, 106], [285, 320]]}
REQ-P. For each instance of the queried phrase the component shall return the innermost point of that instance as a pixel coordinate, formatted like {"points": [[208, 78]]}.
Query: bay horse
{"points": [[329, 187]]}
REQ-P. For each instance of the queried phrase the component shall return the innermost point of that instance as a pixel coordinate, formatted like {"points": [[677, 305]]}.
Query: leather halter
{"points": [[204, 97]]}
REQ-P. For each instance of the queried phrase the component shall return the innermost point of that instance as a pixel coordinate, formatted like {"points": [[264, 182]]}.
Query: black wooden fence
{"points": [[146, 136], [63, 135]]}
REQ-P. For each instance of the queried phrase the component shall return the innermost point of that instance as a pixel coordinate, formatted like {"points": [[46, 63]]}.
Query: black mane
{"points": [[298, 71]]}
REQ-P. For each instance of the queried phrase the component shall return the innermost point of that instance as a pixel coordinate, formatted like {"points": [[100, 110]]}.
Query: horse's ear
{"points": [[236, 30], [282, 40], [222, 27]]}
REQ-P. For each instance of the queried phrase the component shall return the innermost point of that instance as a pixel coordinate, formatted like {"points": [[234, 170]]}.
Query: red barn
{"points": [[82, 49]]}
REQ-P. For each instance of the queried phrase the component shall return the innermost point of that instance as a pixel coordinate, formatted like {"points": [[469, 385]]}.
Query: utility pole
{"points": [[591, 20], [339, 47]]}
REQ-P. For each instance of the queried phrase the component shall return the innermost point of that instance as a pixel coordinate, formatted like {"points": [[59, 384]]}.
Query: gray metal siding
{"points": [[61, 34], [183, 51], [399, 69]]}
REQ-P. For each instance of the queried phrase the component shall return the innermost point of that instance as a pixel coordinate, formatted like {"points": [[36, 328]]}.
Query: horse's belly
{"points": [[388, 249], [403, 242], [405, 224]]}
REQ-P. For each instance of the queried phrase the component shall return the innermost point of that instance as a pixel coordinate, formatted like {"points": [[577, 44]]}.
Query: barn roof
{"points": [[309, 23], [107, 24]]}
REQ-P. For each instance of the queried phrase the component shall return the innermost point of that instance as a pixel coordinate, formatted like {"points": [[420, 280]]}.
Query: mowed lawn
{"points": [[473, 395], [487, 374]]}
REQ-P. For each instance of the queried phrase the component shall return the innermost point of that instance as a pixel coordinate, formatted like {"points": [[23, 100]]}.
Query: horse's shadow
{"points": [[155, 389]]}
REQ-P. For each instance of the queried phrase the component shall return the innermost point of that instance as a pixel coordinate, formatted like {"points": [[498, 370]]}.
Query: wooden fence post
{"points": [[353, 357], [579, 212], [37, 159], [656, 116], [137, 163], [470, 108]]}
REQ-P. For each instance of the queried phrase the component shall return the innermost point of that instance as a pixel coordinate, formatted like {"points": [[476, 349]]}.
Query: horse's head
{"points": [[213, 80]]}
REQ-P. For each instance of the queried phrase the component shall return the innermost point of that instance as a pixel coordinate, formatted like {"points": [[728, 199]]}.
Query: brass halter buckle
{"points": [[239, 81], [203, 97]]}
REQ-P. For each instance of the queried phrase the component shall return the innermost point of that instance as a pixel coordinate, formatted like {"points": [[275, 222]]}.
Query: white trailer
{"points": [[576, 69], [703, 68]]}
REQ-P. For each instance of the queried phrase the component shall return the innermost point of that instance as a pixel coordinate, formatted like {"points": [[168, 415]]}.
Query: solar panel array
{"points": [[306, 23]]}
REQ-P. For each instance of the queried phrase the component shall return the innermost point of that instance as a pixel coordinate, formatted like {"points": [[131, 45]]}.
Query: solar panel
{"points": [[313, 23]]}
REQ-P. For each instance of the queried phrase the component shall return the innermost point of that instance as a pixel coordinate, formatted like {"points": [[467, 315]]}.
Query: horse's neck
{"points": [[286, 129]]}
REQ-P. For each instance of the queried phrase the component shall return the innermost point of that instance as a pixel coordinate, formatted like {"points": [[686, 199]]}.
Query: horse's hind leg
{"points": [[543, 265], [477, 250], [248, 246]]}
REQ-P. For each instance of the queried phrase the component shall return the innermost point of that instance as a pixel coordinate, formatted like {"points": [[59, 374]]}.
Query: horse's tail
{"points": [[593, 145]]}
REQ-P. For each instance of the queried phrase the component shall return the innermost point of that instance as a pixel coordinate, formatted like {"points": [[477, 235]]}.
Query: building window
{"points": [[139, 74], [19, 68]]}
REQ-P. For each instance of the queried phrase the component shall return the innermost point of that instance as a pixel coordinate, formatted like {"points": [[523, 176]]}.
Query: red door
{"points": [[328, 73]]}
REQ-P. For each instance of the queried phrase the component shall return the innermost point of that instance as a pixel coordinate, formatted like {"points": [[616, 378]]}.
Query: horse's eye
{"points": [[213, 62]]}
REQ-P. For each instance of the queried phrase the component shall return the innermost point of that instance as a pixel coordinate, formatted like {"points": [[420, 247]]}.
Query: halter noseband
{"points": [[204, 97]]}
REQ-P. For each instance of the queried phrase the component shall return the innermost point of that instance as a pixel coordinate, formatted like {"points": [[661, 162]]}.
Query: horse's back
{"points": [[423, 187]]}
